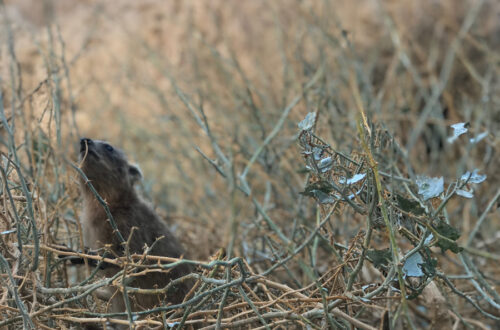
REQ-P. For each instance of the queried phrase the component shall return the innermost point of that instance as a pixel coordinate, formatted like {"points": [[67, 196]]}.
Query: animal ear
{"points": [[135, 173]]}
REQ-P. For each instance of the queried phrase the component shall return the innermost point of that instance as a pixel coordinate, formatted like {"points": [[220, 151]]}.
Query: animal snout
{"points": [[84, 142]]}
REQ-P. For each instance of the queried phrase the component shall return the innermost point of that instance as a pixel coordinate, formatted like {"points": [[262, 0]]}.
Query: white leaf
{"points": [[354, 179], [458, 129], [479, 137], [473, 177], [364, 287], [465, 193], [351, 196], [172, 324], [308, 122], [412, 265], [430, 187], [428, 239], [8, 231], [317, 153], [325, 164]]}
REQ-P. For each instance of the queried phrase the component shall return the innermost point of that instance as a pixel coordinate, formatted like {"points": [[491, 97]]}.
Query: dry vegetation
{"points": [[206, 97]]}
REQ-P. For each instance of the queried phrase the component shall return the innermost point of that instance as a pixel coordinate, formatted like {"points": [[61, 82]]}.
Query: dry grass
{"points": [[206, 97]]}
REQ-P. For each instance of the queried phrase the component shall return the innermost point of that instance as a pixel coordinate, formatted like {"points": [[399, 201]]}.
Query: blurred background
{"points": [[112, 67]]}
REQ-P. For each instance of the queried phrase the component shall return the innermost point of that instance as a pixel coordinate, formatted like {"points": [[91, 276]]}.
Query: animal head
{"points": [[108, 169]]}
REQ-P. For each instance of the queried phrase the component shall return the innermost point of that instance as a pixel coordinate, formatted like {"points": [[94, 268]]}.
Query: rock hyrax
{"points": [[113, 178]]}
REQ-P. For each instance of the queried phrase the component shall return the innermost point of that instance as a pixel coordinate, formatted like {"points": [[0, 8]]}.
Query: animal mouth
{"points": [[87, 148]]}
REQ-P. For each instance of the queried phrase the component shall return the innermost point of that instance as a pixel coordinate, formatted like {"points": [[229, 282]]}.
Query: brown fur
{"points": [[113, 177]]}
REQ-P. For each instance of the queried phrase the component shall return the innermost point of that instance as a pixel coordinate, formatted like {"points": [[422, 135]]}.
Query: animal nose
{"points": [[86, 141]]}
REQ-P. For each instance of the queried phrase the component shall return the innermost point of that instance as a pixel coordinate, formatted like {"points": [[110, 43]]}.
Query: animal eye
{"points": [[108, 148]]}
